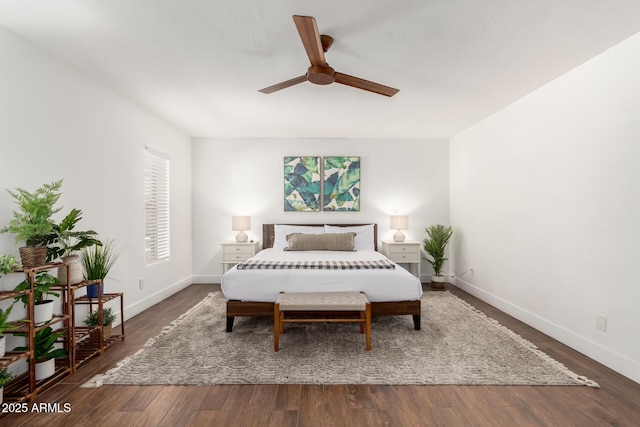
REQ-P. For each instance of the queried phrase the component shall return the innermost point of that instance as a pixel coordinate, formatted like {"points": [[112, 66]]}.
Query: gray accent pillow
{"points": [[321, 242]]}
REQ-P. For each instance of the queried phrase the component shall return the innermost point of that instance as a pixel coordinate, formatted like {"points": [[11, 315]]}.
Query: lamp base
{"points": [[241, 237], [398, 237]]}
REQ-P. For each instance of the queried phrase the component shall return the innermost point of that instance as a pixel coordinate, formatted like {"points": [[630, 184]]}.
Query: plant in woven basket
{"points": [[32, 222], [437, 238]]}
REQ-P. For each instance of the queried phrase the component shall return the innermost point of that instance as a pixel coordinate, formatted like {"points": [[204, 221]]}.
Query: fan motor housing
{"points": [[321, 75]]}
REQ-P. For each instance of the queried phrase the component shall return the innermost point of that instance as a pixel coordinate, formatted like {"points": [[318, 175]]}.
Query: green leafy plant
{"points": [[41, 288], [32, 223], [44, 349], [437, 238], [98, 260], [7, 264], [5, 377], [4, 319], [107, 317], [64, 240]]}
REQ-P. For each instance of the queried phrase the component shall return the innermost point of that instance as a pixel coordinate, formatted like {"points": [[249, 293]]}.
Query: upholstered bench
{"points": [[322, 307]]}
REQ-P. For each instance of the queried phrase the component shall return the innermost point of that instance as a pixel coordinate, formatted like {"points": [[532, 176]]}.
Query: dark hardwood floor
{"points": [[616, 403]]}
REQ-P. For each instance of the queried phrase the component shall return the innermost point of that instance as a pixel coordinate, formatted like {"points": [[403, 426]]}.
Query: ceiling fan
{"points": [[320, 72]]}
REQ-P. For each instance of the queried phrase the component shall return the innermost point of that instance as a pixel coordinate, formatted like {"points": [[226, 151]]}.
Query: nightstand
{"points": [[234, 253], [407, 252]]}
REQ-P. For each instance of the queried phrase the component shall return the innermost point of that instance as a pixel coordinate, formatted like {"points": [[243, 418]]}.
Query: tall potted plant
{"points": [[437, 238], [43, 308], [32, 222], [65, 241], [97, 262]]}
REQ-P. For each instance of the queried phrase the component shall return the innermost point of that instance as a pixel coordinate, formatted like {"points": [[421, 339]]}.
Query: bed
{"points": [[251, 288]]}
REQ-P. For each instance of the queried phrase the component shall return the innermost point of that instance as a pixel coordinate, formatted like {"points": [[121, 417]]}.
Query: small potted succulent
{"points": [[32, 222], [437, 239], [108, 318]]}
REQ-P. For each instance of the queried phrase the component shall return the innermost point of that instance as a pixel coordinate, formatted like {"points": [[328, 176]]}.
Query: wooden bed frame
{"points": [[237, 308]]}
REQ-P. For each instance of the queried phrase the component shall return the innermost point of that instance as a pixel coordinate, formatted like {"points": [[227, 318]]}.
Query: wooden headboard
{"points": [[269, 234]]}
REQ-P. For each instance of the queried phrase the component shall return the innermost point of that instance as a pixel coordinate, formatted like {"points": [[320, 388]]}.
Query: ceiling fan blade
{"points": [[310, 39], [284, 85], [359, 83]]}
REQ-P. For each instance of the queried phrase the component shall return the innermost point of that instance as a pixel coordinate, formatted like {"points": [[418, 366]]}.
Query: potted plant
{"points": [[45, 352], [64, 241], [43, 308], [107, 320], [97, 261], [4, 324], [437, 238], [5, 378], [32, 222]]}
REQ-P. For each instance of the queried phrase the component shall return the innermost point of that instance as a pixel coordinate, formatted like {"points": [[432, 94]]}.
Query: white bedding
{"points": [[265, 285]]}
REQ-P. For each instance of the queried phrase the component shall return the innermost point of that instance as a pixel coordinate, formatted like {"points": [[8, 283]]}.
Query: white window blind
{"points": [[156, 194]]}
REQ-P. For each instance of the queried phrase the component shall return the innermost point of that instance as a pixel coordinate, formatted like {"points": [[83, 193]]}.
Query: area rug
{"points": [[457, 345]]}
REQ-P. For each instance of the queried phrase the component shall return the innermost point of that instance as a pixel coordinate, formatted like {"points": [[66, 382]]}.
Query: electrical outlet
{"points": [[141, 283], [601, 322]]}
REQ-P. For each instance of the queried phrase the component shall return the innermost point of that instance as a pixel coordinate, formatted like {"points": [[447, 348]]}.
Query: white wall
{"points": [[57, 123], [546, 208], [245, 177]]}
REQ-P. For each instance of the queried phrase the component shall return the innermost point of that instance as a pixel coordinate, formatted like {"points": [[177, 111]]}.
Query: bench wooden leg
{"points": [[368, 326], [276, 326]]}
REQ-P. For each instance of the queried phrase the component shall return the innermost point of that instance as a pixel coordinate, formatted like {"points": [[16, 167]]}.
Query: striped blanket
{"points": [[383, 264]]}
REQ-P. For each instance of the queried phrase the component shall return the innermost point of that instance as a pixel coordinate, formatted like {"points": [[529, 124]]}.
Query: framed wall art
{"points": [[302, 184], [341, 183]]}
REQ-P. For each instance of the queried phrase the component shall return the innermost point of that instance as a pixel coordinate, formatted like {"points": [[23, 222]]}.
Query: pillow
{"points": [[282, 231], [321, 242], [364, 235]]}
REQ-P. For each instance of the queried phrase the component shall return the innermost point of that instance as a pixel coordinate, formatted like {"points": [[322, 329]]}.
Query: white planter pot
{"points": [[75, 270], [3, 345], [437, 279], [43, 312], [45, 369]]}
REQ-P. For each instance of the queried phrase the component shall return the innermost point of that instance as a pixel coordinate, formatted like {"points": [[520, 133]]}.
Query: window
{"points": [[156, 199]]}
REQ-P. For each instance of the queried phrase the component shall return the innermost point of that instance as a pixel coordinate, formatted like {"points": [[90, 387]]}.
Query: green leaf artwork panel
{"points": [[341, 184], [302, 184]]}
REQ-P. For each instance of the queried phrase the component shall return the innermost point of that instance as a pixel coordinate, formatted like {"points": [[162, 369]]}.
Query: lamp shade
{"points": [[399, 222], [240, 223]]}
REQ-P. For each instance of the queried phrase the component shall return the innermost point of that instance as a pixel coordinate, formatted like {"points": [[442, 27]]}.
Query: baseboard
{"points": [[619, 363], [206, 279], [140, 306]]}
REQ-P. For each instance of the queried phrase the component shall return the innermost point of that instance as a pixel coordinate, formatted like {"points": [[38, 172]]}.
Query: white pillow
{"points": [[283, 230], [364, 235]]}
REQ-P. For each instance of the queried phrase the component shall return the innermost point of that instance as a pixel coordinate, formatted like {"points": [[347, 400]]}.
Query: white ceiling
{"points": [[198, 64]]}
